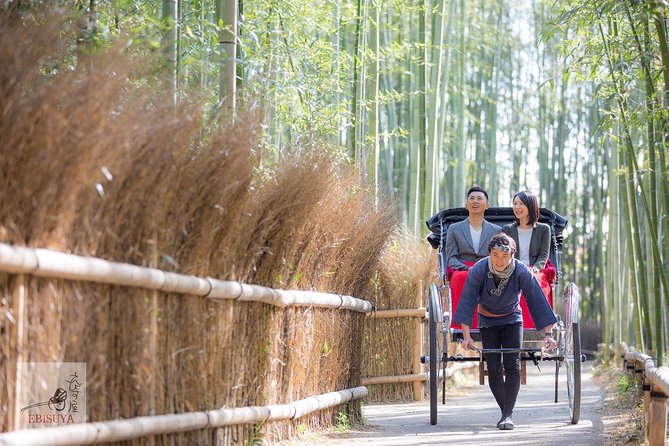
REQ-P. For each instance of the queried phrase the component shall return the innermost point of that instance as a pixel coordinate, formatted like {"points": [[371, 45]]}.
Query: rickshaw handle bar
{"points": [[506, 350]]}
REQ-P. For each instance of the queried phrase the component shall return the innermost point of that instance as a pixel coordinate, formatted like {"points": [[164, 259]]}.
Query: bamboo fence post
{"points": [[17, 286], [655, 388], [657, 419], [646, 402], [153, 338], [639, 372], [417, 345]]}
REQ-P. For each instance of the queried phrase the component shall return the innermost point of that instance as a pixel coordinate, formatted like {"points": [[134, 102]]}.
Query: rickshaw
{"points": [[442, 332]]}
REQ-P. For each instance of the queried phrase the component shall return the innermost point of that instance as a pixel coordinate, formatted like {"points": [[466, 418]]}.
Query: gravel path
{"points": [[470, 419]]}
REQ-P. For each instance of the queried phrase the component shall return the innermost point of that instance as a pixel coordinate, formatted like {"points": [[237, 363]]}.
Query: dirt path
{"points": [[470, 419]]}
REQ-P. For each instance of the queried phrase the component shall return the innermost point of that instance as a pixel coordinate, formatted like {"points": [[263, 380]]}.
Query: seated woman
{"points": [[533, 240]]}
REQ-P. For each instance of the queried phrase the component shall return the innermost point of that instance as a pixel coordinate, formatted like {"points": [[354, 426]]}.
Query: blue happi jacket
{"points": [[478, 290]]}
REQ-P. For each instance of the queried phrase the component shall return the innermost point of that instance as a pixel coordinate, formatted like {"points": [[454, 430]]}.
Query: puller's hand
{"points": [[550, 343], [467, 343]]}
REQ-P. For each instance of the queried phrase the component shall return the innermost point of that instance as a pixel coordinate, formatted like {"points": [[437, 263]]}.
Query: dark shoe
{"points": [[499, 423], [506, 424]]}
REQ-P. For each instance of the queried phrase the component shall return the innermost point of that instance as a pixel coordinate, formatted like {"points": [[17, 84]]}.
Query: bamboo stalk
{"points": [[226, 12], [118, 430], [404, 312], [170, 16], [47, 263]]}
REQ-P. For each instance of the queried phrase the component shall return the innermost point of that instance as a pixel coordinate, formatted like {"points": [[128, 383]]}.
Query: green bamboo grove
{"points": [[567, 98]]}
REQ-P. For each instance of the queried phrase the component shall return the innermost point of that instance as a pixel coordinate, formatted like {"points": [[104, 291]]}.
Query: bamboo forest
{"points": [[566, 98], [301, 144]]}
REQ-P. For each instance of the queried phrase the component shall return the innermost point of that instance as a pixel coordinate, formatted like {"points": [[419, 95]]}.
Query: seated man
{"points": [[467, 241]]}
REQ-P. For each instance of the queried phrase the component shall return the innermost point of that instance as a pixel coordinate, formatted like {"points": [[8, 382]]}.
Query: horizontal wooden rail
{"points": [[654, 381], [415, 377], [409, 312], [394, 379], [48, 263], [118, 430]]}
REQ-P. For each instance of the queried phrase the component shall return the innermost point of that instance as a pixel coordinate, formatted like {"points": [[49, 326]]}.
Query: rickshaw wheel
{"points": [[573, 350], [433, 371], [573, 362], [434, 312]]}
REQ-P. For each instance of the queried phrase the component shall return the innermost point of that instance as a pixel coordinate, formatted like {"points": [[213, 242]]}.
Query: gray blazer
{"points": [[540, 243], [460, 247]]}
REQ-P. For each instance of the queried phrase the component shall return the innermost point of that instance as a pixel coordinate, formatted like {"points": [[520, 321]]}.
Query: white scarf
{"points": [[504, 275]]}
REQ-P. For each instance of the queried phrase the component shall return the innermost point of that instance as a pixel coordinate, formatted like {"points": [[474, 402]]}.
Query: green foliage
{"points": [[291, 57], [614, 47], [256, 437], [624, 384], [342, 422]]}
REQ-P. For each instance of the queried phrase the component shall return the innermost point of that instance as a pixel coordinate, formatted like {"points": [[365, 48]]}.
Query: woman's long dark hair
{"points": [[530, 200]]}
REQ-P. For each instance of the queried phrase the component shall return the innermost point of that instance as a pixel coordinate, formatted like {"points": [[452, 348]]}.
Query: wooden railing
{"points": [[22, 261], [54, 264], [118, 430], [654, 383], [48, 263]]}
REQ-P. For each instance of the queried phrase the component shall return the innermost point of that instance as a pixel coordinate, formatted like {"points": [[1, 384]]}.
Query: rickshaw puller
{"points": [[493, 288]]}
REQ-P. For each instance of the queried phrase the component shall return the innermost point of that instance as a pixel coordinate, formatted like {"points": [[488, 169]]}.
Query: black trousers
{"points": [[503, 369]]}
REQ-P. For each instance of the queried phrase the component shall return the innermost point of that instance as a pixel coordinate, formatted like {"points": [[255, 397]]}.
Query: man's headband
{"points": [[502, 247]]}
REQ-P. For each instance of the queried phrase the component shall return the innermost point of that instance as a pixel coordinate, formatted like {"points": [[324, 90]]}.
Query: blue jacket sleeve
{"points": [[542, 313]]}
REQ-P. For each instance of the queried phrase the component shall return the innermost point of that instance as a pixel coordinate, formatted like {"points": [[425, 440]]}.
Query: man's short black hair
{"points": [[477, 189]]}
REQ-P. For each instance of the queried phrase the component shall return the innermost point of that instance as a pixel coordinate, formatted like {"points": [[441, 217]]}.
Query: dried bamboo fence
{"points": [[653, 382], [21, 262], [100, 163]]}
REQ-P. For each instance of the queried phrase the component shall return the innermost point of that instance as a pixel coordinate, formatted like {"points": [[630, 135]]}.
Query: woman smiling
{"points": [[532, 238]]}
